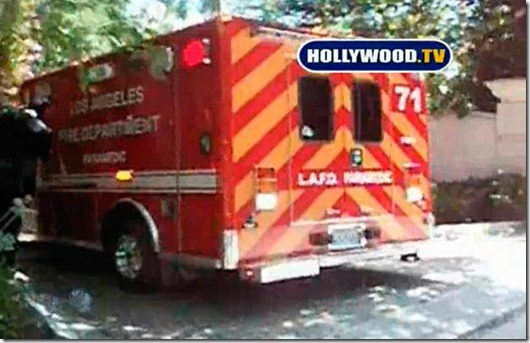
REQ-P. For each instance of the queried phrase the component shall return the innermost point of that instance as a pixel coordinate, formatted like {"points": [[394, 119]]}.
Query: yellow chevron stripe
{"points": [[395, 154], [423, 118], [338, 96], [410, 130], [399, 158], [397, 79], [324, 201], [361, 195], [346, 133], [366, 201], [263, 122], [294, 236], [241, 44], [327, 153], [346, 97], [369, 160], [284, 151], [399, 120], [276, 158], [243, 192], [411, 210], [248, 238], [363, 77], [258, 78]]}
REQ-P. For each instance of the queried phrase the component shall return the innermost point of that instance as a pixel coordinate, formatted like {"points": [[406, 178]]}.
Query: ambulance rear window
{"points": [[316, 108], [368, 124]]}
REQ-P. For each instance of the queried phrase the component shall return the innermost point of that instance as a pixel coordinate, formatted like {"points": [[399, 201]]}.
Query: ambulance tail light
{"points": [[267, 189], [413, 192], [196, 52]]}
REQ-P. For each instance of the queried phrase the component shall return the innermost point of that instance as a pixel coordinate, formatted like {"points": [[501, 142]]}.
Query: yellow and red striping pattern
{"points": [[264, 75]]}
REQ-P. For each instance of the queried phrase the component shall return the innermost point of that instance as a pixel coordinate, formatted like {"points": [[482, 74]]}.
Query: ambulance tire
{"points": [[136, 263]]}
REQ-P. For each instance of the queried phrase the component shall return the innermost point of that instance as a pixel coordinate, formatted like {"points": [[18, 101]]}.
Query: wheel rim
{"points": [[128, 257]]}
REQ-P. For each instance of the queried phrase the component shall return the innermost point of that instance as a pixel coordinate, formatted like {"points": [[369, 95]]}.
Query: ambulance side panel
{"points": [[175, 182]]}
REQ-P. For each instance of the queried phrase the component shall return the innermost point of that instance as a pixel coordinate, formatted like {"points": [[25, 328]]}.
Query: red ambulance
{"points": [[210, 148]]}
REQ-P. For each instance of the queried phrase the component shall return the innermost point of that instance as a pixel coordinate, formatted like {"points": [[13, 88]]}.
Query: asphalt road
{"points": [[469, 284]]}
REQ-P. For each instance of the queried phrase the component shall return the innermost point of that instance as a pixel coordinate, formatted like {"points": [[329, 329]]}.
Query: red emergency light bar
{"points": [[196, 52]]}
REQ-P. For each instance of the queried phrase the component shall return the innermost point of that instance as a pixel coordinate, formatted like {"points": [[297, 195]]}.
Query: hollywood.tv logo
{"points": [[374, 55]]}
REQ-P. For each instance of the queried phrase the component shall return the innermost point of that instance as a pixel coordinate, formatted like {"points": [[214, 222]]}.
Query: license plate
{"points": [[345, 237]]}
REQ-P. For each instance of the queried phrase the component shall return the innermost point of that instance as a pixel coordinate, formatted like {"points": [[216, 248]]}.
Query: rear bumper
{"points": [[309, 266]]}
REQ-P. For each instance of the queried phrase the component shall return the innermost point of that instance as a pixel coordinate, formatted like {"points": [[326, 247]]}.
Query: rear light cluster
{"points": [[413, 192], [196, 52], [266, 189]]}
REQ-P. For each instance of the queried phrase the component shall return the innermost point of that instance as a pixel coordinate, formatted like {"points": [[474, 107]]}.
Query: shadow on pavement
{"points": [[222, 306]]}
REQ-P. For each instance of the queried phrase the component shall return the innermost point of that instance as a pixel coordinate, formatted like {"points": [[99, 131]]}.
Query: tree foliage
{"points": [[39, 35], [13, 316], [464, 24]]}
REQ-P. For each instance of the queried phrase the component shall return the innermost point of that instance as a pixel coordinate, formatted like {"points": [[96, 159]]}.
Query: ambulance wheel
{"points": [[135, 261]]}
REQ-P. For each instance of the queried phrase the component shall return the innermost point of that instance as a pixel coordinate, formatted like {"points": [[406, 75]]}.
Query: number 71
{"points": [[407, 94]]}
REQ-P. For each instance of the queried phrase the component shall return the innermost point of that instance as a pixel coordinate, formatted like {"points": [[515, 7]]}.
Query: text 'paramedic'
{"points": [[374, 55]]}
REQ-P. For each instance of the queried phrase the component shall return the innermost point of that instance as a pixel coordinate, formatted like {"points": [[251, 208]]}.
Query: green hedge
{"points": [[475, 200], [15, 322]]}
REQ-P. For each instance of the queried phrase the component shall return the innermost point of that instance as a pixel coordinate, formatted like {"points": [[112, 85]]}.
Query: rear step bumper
{"points": [[310, 266]]}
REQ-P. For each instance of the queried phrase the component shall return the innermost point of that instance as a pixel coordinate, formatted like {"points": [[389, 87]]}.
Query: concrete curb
{"points": [[455, 314]]}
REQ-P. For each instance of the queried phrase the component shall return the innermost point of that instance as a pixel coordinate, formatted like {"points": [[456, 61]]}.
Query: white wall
{"points": [[482, 143], [511, 137], [461, 148]]}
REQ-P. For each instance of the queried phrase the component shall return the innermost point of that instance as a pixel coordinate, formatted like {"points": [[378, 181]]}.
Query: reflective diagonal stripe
{"points": [[276, 158], [249, 238], [391, 230], [255, 58], [256, 79], [254, 131], [400, 122], [326, 154], [272, 90], [278, 135], [276, 231], [289, 239], [241, 44], [307, 204]]}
